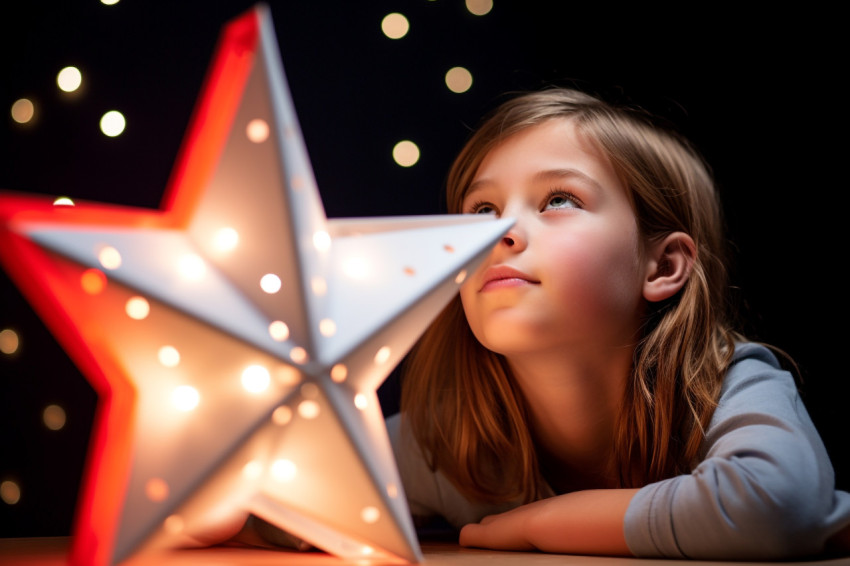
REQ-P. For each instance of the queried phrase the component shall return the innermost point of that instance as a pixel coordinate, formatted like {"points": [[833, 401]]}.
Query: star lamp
{"points": [[236, 337]]}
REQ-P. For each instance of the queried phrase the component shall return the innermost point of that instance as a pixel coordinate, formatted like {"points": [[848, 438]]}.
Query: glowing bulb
{"points": [[69, 79], [226, 239], [322, 240], [137, 308], [109, 257], [461, 277], [308, 409], [458, 79], [185, 398], [168, 356], [63, 201], [256, 379], [382, 355], [279, 331], [284, 470], [53, 417], [370, 515], [395, 25], [112, 123], [270, 283], [339, 372], [327, 327], [257, 130], [406, 153], [361, 401], [23, 111], [9, 341], [191, 267]]}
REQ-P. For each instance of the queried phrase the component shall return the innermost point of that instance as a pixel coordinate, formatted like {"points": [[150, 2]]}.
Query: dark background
{"points": [[757, 92]]}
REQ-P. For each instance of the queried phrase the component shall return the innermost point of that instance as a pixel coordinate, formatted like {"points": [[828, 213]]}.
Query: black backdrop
{"points": [[757, 92]]}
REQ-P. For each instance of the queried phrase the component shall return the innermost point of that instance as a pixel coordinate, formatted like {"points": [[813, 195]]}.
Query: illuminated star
{"points": [[237, 337]]}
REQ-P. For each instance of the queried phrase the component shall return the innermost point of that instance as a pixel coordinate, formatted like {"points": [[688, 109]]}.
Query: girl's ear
{"points": [[668, 266]]}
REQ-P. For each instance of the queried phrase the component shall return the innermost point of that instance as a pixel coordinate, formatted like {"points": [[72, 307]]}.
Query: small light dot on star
{"points": [[168, 356], [185, 398], [137, 308], [256, 379]]}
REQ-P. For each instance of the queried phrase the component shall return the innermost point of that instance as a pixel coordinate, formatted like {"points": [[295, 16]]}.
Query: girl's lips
{"points": [[502, 276]]}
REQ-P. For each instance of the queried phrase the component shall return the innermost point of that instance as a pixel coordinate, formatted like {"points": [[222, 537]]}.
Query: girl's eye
{"points": [[561, 199], [482, 207]]}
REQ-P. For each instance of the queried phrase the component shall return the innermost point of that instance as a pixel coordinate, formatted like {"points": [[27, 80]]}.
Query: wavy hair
{"points": [[460, 399]]}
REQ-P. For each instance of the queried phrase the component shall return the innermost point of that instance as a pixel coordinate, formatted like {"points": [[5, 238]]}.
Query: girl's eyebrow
{"points": [[545, 175], [567, 173]]}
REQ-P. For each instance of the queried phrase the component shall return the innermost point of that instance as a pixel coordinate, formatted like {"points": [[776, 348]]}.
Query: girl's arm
{"points": [[582, 522]]}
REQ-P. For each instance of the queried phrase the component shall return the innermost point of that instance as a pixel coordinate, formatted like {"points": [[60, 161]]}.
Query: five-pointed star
{"points": [[236, 337]]}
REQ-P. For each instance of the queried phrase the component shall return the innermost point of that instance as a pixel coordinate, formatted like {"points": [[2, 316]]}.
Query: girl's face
{"points": [[567, 277]]}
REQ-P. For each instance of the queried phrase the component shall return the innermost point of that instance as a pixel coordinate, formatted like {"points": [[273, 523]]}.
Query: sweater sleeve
{"points": [[765, 489]]}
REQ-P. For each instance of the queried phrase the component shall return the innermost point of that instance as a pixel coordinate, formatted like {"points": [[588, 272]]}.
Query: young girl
{"points": [[587, 393]]}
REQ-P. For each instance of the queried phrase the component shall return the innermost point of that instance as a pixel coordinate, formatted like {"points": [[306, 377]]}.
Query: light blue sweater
{"points": [[763, 490]]}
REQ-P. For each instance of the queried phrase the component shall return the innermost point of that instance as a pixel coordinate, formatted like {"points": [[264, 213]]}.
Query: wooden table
{"points": [[52, 551]]}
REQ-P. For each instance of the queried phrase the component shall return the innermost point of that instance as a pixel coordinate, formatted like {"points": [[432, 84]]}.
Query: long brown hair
{"points": [[460, 399]]}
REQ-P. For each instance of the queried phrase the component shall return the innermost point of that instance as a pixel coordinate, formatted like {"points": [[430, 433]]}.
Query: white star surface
{"points": [[237, 337]]}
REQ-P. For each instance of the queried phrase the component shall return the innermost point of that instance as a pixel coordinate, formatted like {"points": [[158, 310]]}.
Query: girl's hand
{"points": [[582, 522]]}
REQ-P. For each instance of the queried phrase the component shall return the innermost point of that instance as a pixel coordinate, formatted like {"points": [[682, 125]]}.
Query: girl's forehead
{"points": [[555, 143]]}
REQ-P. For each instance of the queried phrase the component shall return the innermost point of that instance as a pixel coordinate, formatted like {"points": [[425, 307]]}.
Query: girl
{"points": [[587, 393]]}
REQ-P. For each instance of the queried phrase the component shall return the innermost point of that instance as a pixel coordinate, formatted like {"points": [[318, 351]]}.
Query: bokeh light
{"points": [[54, 417], [479, 7], [113, 123], [9, 341], [69, 79], [63, 201], [257, 130], [23, 110], [458, 79], [395, 25], [10, 492], [406, 153]]}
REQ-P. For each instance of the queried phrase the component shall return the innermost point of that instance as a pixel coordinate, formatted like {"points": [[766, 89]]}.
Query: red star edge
{"points": [[236, 337]]}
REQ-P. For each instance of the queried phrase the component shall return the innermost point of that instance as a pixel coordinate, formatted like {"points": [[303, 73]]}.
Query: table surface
{"points": [[52, 551]]}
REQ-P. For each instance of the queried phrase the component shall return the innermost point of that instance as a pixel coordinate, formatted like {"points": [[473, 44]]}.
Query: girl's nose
{"points": [[515, 240]]}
